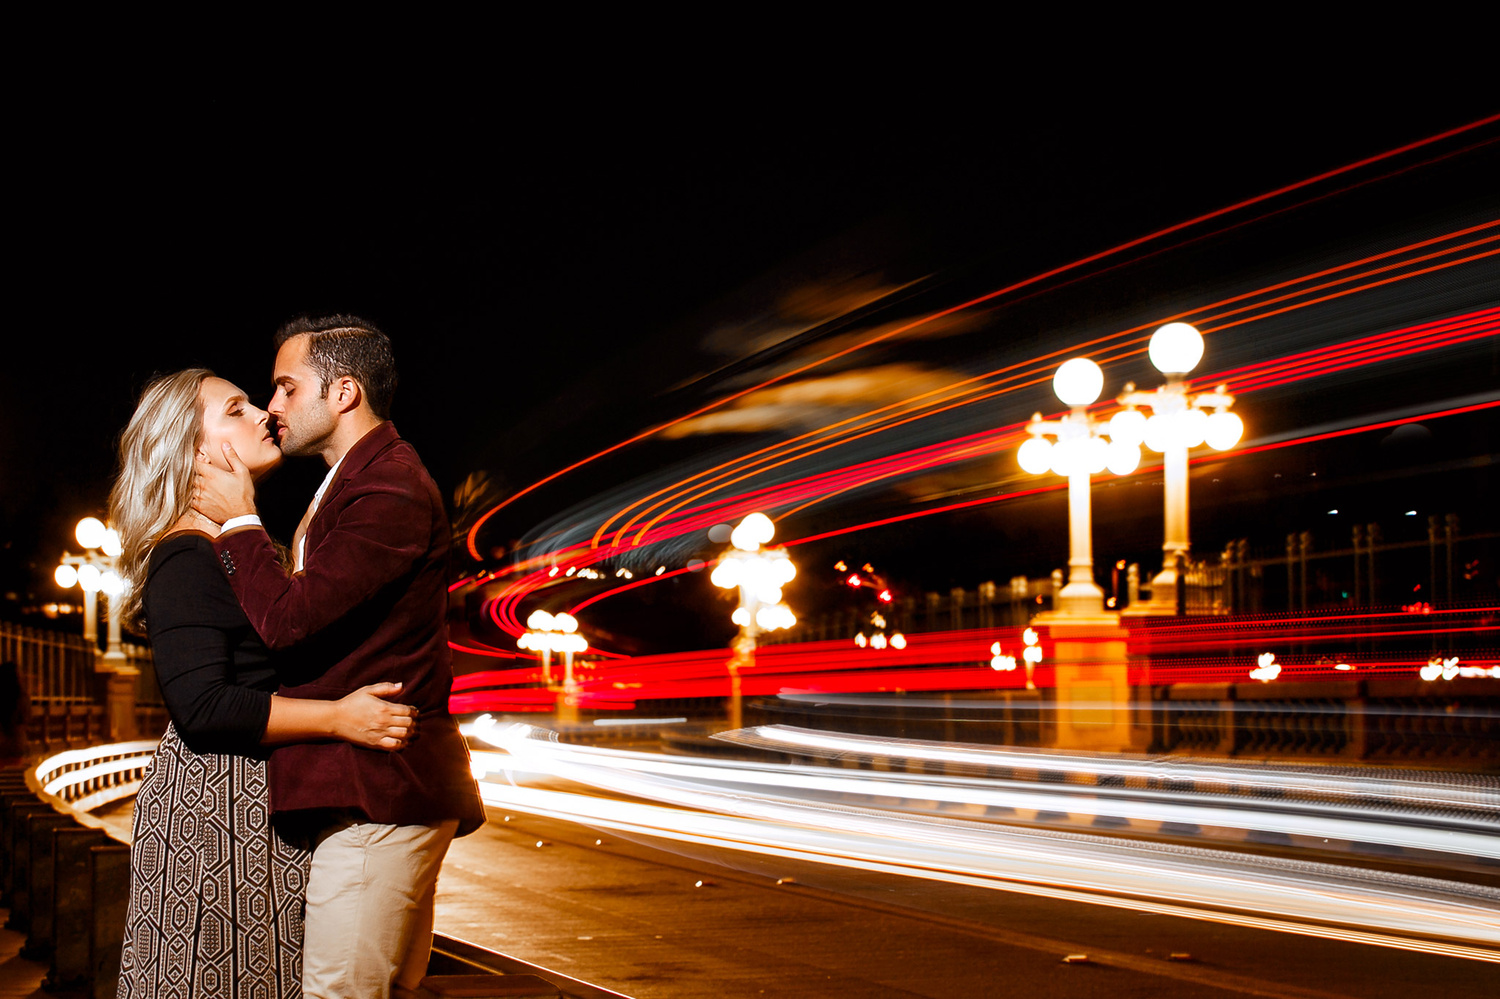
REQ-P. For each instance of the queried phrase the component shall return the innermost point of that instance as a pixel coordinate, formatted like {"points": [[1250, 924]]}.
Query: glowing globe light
{"points": [[1124, 457], [728, 573], [1095, 455], [898, 641], [1067, 457], [861, 640], [783, 570], [1192, 424], [741, 616], [1224, 430], [539, 620], [752, 532], [111, 583], [89, 577], [768, 593], [66, 576], [90, 532], [1176, 348], [1078, 381], [1035, 456], [1159, 432], [1128, 426], [111, 543], [565, 623]]}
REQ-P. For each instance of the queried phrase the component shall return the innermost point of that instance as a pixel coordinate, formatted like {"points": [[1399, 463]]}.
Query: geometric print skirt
{"points": [[216, 894]]}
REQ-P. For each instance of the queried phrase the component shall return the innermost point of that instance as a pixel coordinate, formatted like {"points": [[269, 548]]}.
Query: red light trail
{"points": [[1036, 371], [502, 609], [1161, 651], [1036, 279]]}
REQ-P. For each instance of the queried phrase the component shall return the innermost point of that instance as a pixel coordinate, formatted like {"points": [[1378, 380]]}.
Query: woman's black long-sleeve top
{"points": [[215, 673]]}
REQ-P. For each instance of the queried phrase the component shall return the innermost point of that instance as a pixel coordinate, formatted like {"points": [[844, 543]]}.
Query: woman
{"points": [[216, 892]]}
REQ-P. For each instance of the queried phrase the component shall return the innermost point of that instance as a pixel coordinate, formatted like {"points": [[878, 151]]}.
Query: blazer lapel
{"points": [[355, 461]]}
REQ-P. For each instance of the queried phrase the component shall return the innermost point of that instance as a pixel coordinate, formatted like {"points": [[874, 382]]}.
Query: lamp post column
{"points": [[114, 653], [1180, 421], [1174, 462], [91, 617], [1082, 597]]}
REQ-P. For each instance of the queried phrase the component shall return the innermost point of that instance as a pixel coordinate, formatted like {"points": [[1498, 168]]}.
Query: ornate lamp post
{"points": [[95, 570], [555, 633], [1081, 450], [759, 573], [1179, 421]]}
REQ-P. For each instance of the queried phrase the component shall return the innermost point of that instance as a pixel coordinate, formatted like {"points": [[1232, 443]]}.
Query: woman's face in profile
{"points": [[229, 417]]}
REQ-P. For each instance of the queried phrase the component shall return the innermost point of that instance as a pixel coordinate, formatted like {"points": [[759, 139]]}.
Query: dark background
{"points": [[548, 288]]}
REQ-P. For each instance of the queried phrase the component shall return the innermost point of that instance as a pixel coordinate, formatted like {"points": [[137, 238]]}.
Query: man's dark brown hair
{"points": [[340, 345]]}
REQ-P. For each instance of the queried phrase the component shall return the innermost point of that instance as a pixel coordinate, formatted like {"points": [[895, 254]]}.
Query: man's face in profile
{"points": [[304, 417]]}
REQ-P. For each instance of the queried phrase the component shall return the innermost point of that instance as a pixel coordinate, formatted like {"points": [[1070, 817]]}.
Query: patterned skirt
{"points": [[216, 894]]}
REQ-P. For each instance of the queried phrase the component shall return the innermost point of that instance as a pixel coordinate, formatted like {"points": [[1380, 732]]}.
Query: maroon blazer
{"points": [[370, 606]]}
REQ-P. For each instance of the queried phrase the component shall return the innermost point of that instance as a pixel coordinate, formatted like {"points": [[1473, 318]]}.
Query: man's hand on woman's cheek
{"points": [[219, 494]]}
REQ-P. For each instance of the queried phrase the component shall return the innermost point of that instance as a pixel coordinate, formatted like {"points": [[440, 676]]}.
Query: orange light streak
{"points": [[802, 450], [1084, 261]]}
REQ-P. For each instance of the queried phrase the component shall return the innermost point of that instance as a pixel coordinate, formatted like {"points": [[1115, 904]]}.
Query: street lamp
{"points": [[553, 633], [1080, 451], [878, 639], [95, 570], [759, 573], [1179, 421]]}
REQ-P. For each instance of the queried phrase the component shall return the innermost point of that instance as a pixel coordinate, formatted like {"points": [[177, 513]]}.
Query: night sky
{"points": [[548, 292]]}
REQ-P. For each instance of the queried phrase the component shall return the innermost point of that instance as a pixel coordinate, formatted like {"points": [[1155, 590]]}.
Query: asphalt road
{"points": [[632, 917]]}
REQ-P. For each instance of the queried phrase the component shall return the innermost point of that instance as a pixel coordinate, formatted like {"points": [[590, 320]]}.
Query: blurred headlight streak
{"points": [[824, 815]]}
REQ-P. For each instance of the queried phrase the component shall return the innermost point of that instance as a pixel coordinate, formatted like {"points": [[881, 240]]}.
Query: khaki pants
{"points": [[369, 907]]}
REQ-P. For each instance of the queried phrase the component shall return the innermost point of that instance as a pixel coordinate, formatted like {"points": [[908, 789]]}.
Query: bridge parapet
{"points": [[66, 883]]}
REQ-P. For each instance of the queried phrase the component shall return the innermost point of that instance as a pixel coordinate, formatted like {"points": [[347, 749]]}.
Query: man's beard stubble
{"points": [[296, 445]]}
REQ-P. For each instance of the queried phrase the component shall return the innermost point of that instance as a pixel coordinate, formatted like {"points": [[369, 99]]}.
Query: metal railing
{"points": [[1440, 568], [66, 689], [1395, 721]]}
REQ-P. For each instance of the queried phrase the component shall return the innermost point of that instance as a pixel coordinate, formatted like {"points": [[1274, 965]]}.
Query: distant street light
{"points": [[1080, 451], [759, 573], [554, 633], [95, 570], [1179, 421]]}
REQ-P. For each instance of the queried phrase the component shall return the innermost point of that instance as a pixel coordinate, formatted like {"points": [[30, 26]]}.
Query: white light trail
{"points": [[1422, 790], [783, 810]]}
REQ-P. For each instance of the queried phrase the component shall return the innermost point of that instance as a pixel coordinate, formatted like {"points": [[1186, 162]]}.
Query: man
{"points": [[365, 597]]}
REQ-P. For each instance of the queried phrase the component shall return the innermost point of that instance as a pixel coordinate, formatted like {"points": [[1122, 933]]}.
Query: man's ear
{"points": [[345, 394]]}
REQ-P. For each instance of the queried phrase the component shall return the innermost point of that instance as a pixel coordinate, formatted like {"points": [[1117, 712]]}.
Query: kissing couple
{"points": [[311, 764]]}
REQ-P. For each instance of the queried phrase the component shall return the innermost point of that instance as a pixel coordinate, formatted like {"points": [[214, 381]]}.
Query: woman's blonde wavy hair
{"points": [[155, 484]]}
